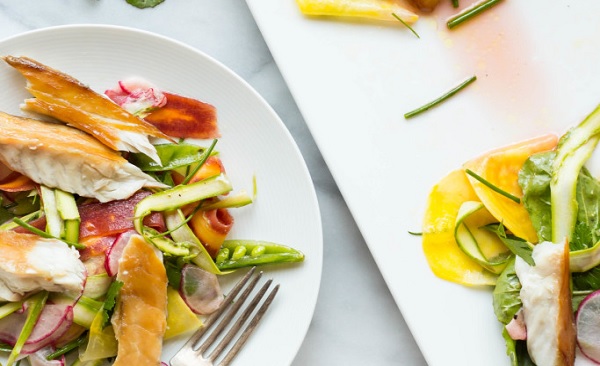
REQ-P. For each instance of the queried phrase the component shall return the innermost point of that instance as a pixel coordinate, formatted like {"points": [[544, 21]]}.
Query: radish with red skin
{"points": [[200, 290], [587, 323], [53, 322], [113, 254]]}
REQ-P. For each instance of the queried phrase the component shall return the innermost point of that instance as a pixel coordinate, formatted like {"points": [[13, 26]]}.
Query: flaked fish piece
{"points": [[547, 311], [32, 263], [59, 156], [140, 317], [65, 98]]}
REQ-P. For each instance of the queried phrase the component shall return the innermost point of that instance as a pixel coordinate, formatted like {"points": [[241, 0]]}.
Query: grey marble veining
{"points": [[356, 321]]}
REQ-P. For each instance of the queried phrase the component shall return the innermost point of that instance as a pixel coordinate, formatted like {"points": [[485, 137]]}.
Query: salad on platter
{"points": [[114, 221], [524, 220]]}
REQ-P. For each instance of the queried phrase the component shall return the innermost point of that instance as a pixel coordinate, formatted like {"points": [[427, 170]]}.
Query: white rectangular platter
{"points": [[537, 69]]}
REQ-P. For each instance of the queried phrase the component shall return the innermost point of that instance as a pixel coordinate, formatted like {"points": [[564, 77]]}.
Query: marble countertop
{"points": [[356, 321]]}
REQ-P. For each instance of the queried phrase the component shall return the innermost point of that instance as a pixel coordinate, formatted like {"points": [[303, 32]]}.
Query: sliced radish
{"points": [[53, 322], [516, 327], [39, 358], [137, 95], [113, 254], [200, 290], [588, 326]]}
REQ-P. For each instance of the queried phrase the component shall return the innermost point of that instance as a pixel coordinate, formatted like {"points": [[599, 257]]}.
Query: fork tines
{"points": [[208, 340]]}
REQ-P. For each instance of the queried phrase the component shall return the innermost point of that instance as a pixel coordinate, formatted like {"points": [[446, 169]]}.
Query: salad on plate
{"points": [[114, 221], [524, 220]]}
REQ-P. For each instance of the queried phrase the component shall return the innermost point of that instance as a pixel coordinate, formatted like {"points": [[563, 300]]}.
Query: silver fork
{"points": [[197, 353]]}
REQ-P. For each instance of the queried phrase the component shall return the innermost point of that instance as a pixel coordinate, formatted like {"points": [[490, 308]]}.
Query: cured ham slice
{"points": [[547, 311], [59, 156], [65, 98], [140, 317], [31, 263]]}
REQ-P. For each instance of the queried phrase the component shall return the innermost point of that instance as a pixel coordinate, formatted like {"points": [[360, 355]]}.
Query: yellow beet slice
{"points": [[501, 167], [180, 319], [372, 9], [445, 258]]}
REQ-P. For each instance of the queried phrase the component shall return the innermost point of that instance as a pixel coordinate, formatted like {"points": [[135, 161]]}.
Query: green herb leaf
{"points": [[505, 297], [110, 301], [406, 25], [534, 180], [492, 187], [515, 244], [440, 99], [142, 4]]}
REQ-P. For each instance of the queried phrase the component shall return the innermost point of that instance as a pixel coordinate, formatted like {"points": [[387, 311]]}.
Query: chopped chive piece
{"points": [[205, 156], [44, 234], [415, 233], [455, 3], [492, 187], [470, 12], [67, 348], [406, 25], [441, 99]]}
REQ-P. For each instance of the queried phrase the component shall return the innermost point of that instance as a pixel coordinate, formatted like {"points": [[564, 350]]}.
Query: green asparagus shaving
{"points": [[10, 225], [233, 201], [183, 234], [69, 213], [440, 99], [9, 308], [36, 303], [406, 25], [168, 246], [44, 234], [68, 347], [179, 196], [185, 221], [205, 156], [470, 12], [54, 224], [574, 149], [493, 187]]}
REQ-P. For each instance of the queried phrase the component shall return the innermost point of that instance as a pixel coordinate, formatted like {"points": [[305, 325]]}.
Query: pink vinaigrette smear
{"points": [[494, 46]]}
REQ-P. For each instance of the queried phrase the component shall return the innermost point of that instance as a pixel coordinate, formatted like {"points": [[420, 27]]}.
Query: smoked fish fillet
{"points": [[140, 317], [58, 156], [31, 263], [65, 98]]}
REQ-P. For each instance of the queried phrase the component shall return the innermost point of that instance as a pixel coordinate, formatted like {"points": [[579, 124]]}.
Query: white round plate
{"points": [[254, 142]]}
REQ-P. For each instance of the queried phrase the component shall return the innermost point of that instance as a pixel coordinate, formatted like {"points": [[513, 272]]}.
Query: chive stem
{"points": [[455, 3], [470, 12], [44, 234], [441, 99], [67, 348], [205, 156], [492, 187], [406, 25]]}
